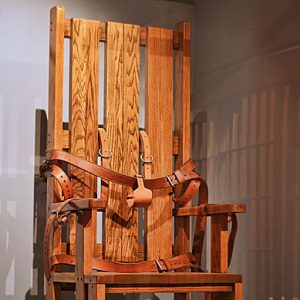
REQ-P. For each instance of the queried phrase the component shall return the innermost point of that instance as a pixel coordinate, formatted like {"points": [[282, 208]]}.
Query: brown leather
{"points": [[47, 232], [141, 196], [231, 239], [190, 191], [104, 153], [187, 171], [48, 228], [179, 176], [146, 156], [184, 174], [64, 182], [159, 265]]}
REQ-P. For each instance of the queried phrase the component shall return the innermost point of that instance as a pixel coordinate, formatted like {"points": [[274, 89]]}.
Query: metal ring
{"points": [[146, 160], [105, 156], [54, 211]]}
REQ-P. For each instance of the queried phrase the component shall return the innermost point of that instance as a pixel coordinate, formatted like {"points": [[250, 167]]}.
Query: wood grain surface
{"points": [[159, 126], [121, 122], [55, 105], [84, 120], [182, 126]]}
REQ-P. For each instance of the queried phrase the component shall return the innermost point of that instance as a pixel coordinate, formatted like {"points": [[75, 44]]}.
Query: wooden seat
{"points": [[156, 150]]}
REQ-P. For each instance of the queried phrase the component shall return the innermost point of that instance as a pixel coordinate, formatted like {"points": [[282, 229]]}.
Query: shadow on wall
{"points": [[39, 220], [249, 146], [39, 213]]}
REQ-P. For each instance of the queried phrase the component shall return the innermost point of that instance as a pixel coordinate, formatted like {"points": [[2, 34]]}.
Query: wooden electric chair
{"points": [[148, 170]]}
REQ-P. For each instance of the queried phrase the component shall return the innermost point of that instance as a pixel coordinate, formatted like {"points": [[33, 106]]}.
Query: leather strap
{"points": [[105, 154], [48, 228], [190, 191], [47, 232], [146, 156], [64, 182], [231, 239], [158, 265], [187, 171], [141, 196]]}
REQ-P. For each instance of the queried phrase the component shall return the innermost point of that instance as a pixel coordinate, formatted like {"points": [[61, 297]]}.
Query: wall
{"points": [[245, 104], [24, 27], [246, 133]]}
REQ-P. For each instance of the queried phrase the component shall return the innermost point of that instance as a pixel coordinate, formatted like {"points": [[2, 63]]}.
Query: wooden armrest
{"points": [[214, 209], [209, 210], [80, 204]]}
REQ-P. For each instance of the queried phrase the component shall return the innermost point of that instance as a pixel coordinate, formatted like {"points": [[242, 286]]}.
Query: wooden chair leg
{"points": [[238, 291], [236, 294], [182, 296], [208, 296], [96, 291], [53, 291]]}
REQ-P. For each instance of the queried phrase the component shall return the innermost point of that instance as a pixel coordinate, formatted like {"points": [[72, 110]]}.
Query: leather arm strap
{"points": [[187, 171], [47, 232], [48, 228]]}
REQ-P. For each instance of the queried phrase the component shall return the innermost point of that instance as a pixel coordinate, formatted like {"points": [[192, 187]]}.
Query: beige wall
{"points": [[24, 48], [246, 133], [245, 105]]}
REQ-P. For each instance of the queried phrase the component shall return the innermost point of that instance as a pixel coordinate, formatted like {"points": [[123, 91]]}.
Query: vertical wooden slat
{"points": [[182, 124], [56, 76], [55, 106], [84, 118], [121, 122], [159, 111]]}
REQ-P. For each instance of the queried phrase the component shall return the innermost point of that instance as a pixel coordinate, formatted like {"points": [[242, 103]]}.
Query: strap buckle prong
{"points": [[160, 268], [170, 181]]}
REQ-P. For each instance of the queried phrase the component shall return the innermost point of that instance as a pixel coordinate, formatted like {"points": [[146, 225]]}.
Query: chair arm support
{"points": [[221, 243]]}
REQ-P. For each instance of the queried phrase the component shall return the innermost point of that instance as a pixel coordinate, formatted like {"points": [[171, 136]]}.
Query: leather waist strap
{"points": [[186, 171], [159, 265]]}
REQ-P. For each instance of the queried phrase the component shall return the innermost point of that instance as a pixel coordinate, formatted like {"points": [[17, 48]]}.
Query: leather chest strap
{"points": [[187, 172]]}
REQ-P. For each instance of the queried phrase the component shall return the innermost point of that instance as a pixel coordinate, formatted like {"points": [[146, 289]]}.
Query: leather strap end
{"points": [[179, 176], [188, 165]]}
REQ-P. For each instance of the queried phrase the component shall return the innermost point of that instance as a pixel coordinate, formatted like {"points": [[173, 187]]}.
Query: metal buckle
{"points": [[160, 269], [54, 211], [170, 181]]}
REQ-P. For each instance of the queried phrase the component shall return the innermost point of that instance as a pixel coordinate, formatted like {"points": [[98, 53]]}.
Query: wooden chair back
{"points": [[166, 82]]}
